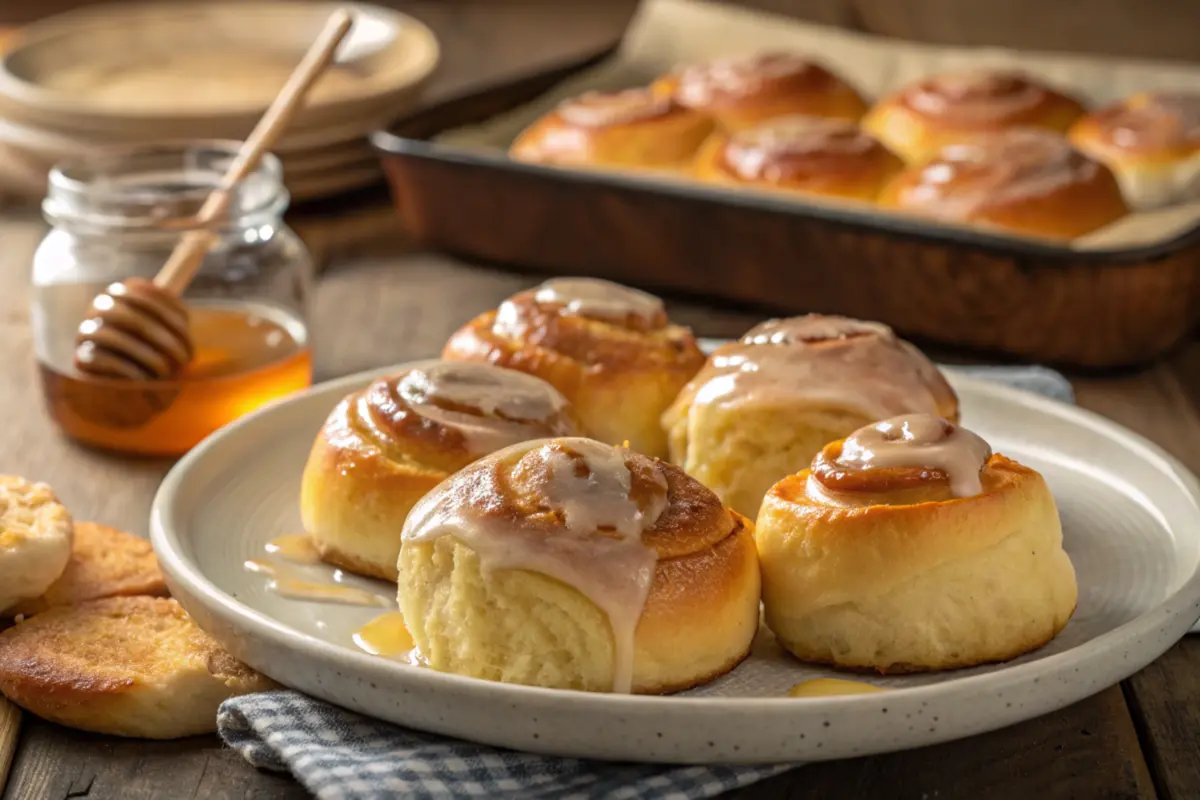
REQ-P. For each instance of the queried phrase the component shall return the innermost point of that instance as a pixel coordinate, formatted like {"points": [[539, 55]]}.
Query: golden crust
{"points": [[920, 119], [619, 377], [126, 666], [830, 158], [373, 459], [522, 626], [105, 562], [1020, 180], [742, 92], [924, 585], [769, 422], [35, 539], [1153, 127], [655, 134]]}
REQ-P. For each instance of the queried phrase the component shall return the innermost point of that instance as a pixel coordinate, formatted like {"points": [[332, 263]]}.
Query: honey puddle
{"points": [[385, 636], [830, 687], [292, 585], [297, 547]]}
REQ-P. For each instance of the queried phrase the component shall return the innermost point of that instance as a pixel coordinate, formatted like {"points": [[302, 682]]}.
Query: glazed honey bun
{"points": [[763, 406], [742, 91], [1024, 181], [630, 129], [920, 119], [1151, 141], [571, 564], [608, 348], [911, 546], [384, 447], [814, 155]]}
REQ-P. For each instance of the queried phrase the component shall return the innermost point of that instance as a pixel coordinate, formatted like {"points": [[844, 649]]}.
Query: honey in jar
{"points": [[119, 215]]}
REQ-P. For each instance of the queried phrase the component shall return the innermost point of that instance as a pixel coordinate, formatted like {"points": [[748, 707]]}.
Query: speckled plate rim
{"points": [[969, 705]]}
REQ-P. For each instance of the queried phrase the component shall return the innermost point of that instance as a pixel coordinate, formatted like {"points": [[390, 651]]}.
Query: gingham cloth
{"points": [[339, 755]]}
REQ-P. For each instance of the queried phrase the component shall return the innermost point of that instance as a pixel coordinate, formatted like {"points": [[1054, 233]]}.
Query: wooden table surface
{"points": [[388, 303]]}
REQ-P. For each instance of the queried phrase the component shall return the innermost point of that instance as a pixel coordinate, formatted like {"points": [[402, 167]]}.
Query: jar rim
{"points": [[80, 188]]}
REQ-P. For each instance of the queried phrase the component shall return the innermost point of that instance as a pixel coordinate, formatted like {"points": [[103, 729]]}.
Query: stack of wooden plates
{"points": [[128, 74]]}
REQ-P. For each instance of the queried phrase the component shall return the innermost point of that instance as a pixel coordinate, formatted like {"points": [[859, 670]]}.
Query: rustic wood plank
{"points": [[1164, 698], [10, 735], [1089, 750], [55, 763]]}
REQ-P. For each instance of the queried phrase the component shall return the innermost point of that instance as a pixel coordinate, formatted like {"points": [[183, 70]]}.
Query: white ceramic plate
{"points": [[1131, 518]]}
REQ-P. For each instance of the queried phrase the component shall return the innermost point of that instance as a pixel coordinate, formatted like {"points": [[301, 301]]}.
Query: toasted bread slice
{"points": [[127, 666], [35, 539], [105, 562]]}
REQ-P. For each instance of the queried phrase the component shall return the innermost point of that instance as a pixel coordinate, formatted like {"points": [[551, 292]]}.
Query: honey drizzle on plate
{"points": [[298, 548], [295, 547], [832, 687], [385, 635], [289, 584]]}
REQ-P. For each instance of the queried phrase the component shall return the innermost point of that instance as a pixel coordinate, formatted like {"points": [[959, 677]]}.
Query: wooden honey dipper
{"points": [[138, 328]]}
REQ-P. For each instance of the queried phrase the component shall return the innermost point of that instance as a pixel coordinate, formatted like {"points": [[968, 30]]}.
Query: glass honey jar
{"points": [[118, 214]]}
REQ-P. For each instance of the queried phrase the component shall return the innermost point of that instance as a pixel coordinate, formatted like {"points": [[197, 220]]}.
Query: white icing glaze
{"points": [[1155, 121], [595, 546], [492, 407], [975, 97], [599, 299], [816, 360], [995, 169], [796, 141], [600, 109], [920, 440], [741, 76]]}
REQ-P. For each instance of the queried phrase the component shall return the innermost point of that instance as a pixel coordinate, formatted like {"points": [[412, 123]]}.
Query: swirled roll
{"points": [[1151, 141], [743, 91], [571, 564], [800, 154], [1023, 181], [923, 117], [383, 448], [763, 406], [630, 129], [608, 348], [911, 546]]}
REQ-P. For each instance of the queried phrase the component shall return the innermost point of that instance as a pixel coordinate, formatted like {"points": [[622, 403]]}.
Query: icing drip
{"points": [[601, 109], [598, 299], [572, 509], [920, 440], [492, 407], [822, 360]]}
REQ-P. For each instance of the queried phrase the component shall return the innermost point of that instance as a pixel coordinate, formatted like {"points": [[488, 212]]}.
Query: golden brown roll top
{"points": [[1151, 141], [813, 155], [911, 546], [608, 348], [1024, 181], [384, 447], [918, 120], [763, 406], [632, 128], [743, 91], [569, 563]]}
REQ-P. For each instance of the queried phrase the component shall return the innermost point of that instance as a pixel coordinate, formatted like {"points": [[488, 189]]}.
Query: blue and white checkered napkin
{"points": [[339, 755]]}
